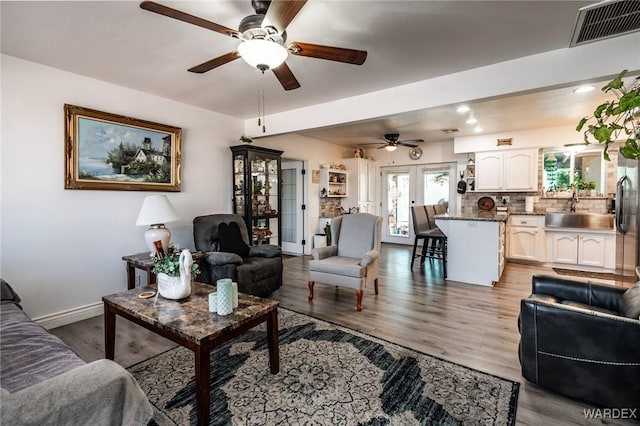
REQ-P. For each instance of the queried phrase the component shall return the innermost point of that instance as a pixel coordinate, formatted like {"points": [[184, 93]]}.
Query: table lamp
{"points": [[156, 211]]}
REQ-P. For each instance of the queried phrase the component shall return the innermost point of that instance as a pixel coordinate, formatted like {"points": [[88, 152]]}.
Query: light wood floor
{"points": [[471, 325]]}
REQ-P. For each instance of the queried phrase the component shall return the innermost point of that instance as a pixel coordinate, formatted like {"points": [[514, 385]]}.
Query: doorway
{"points": [[292, 214], [406, 186]]}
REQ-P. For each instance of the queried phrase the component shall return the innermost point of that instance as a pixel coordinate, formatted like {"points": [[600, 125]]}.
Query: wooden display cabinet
{"points": [[256, 191]]}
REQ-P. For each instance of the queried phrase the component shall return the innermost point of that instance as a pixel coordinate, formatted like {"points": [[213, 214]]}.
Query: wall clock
{"points": [[415, 153]]}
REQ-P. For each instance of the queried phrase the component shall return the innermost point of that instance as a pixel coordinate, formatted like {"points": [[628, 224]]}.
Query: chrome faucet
{"points": [[572, 202]]}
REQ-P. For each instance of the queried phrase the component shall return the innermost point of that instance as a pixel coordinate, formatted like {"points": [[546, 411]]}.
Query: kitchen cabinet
{"points": [[333, 183], [526, 238], [256, 191], [509, 170], [362, 188], [593, 249]]}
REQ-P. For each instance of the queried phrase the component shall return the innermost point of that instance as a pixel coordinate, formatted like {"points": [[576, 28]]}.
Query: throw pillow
{"points": [[230, 239], [631, 302], [7, 294]]}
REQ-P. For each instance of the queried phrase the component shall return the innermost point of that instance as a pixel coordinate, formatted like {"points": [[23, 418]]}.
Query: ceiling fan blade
{"points": [[404, 143], [285, 77], [152, 6], [281, 13], [215, 62], [338, 54], [411, 141]]}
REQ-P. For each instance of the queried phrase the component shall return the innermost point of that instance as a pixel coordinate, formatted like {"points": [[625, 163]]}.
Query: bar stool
{"points": [[421, 230], [435, 239]]}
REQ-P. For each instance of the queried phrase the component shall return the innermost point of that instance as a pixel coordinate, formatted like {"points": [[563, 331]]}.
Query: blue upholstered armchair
{"points": [[352, 261]]}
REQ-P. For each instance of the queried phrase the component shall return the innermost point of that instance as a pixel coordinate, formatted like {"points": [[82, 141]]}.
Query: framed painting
{"points": [[114, 152]]}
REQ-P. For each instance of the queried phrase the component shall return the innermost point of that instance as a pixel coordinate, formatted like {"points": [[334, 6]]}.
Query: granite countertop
{"points": [[485, 216]]}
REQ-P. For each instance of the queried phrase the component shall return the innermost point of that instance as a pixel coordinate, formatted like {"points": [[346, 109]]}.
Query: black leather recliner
{"points": [[582, 340], [259, 273]]}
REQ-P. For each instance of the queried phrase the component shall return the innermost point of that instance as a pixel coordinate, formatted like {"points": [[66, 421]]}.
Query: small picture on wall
{"points": [[113, 152], [315, 176]]}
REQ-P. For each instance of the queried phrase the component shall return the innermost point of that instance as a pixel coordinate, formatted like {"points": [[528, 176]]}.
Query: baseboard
{"points": [[72, 315]]}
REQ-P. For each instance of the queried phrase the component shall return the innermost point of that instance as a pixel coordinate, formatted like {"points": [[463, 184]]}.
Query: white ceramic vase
{"points": [[173, 287]]}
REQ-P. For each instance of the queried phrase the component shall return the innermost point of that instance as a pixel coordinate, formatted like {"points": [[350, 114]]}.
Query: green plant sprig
{"points": [[613, 118], [170, 265]]}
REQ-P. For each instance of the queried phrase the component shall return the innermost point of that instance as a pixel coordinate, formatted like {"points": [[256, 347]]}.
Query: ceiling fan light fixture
{"points": [[262, 54], [391, 148]]}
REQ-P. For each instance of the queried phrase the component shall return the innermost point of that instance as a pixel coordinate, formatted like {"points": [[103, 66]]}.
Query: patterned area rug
{"points": [[328, 375]]}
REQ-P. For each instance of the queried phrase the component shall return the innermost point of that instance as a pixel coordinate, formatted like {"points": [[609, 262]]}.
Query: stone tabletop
{"points": [[190, 317], [485, 216]]}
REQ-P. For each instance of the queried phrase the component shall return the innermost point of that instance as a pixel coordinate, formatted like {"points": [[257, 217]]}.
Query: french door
{"points": [[406, 186], [292, 214]]}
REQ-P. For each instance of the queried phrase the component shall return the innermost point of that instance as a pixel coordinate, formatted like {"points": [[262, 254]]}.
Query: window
{"points": [[565, 168]]}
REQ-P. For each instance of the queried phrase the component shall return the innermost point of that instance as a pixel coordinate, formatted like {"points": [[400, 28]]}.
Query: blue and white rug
{"points": [[329, 375]]}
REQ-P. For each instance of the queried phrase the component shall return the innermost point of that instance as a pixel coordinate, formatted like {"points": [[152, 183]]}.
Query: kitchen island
{"points": [[475, 246]]}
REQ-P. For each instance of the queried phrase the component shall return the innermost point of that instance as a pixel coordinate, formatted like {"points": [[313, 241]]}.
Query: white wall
{"points": [[314, 152], [61, 249], [532, 138]]}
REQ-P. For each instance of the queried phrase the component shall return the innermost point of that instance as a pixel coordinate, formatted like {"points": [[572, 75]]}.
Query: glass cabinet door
{"points": [[256, 182]]}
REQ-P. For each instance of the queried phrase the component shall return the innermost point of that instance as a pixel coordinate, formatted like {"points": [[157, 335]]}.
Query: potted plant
{"points": [[174, 272], [616, 119], [590, 186]]}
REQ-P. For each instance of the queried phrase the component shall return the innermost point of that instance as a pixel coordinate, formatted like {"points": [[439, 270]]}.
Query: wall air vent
{"points": [[609, 18]]}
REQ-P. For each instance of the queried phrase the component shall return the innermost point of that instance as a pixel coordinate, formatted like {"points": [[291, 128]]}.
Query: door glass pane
{"points": [[289, 211], [436, 187], [398, 204]]}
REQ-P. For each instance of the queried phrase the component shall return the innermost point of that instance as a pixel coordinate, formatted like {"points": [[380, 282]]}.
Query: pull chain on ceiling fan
{"points": [[263, 37], [391, 142]]}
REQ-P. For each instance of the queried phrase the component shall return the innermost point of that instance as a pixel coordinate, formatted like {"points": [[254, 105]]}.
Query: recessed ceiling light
{"points": [[584, 89], [478, 129], [471, 120], [463, 108]]}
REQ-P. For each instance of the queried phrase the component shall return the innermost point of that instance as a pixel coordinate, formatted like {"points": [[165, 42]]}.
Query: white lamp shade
{"points": [[156, 210], [262, 53]]}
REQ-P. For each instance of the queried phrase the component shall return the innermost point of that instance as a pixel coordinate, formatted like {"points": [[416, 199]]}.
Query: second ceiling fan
{"points": [[263, 38], [391, 142]]}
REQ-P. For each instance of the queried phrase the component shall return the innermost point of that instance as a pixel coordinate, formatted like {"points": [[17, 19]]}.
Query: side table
{"points": [[144, 262]]}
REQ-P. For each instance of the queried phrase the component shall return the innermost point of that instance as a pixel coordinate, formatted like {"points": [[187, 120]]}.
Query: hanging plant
{"points": [[616, 119]]}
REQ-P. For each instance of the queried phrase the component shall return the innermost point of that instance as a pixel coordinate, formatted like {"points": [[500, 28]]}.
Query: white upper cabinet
{"points": [[510, 170], [363, 188]]}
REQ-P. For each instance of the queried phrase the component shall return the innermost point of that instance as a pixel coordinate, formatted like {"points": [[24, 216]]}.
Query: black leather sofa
{"points": [[582, 340], [256, 269]]}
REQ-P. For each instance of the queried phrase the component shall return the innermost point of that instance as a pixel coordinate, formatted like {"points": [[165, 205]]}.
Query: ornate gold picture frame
{"points": [[113, 152]]}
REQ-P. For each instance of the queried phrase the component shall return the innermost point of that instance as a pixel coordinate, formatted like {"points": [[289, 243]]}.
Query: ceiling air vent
{"points": [[606, 19], [449, 131]]}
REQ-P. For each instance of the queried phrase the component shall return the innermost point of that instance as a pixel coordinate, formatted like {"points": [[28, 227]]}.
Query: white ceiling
{"points": [[407, 41]]}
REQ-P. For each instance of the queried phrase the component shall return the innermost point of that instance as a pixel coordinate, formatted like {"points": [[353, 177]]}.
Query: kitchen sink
{"points": [[579, 220]]}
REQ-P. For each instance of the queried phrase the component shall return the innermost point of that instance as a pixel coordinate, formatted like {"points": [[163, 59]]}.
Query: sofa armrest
{"points": [[553, 330], [324, 252], [265, 250], [218, 258], [369, 257], [601, 295], [78, 397]]}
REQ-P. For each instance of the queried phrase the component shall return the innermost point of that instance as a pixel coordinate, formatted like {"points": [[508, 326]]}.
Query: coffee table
{"points": [[189, 323]]}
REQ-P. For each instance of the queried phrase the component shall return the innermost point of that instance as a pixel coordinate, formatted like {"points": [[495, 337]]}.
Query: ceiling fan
{"points": [[391, 142], [263, 38]]}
